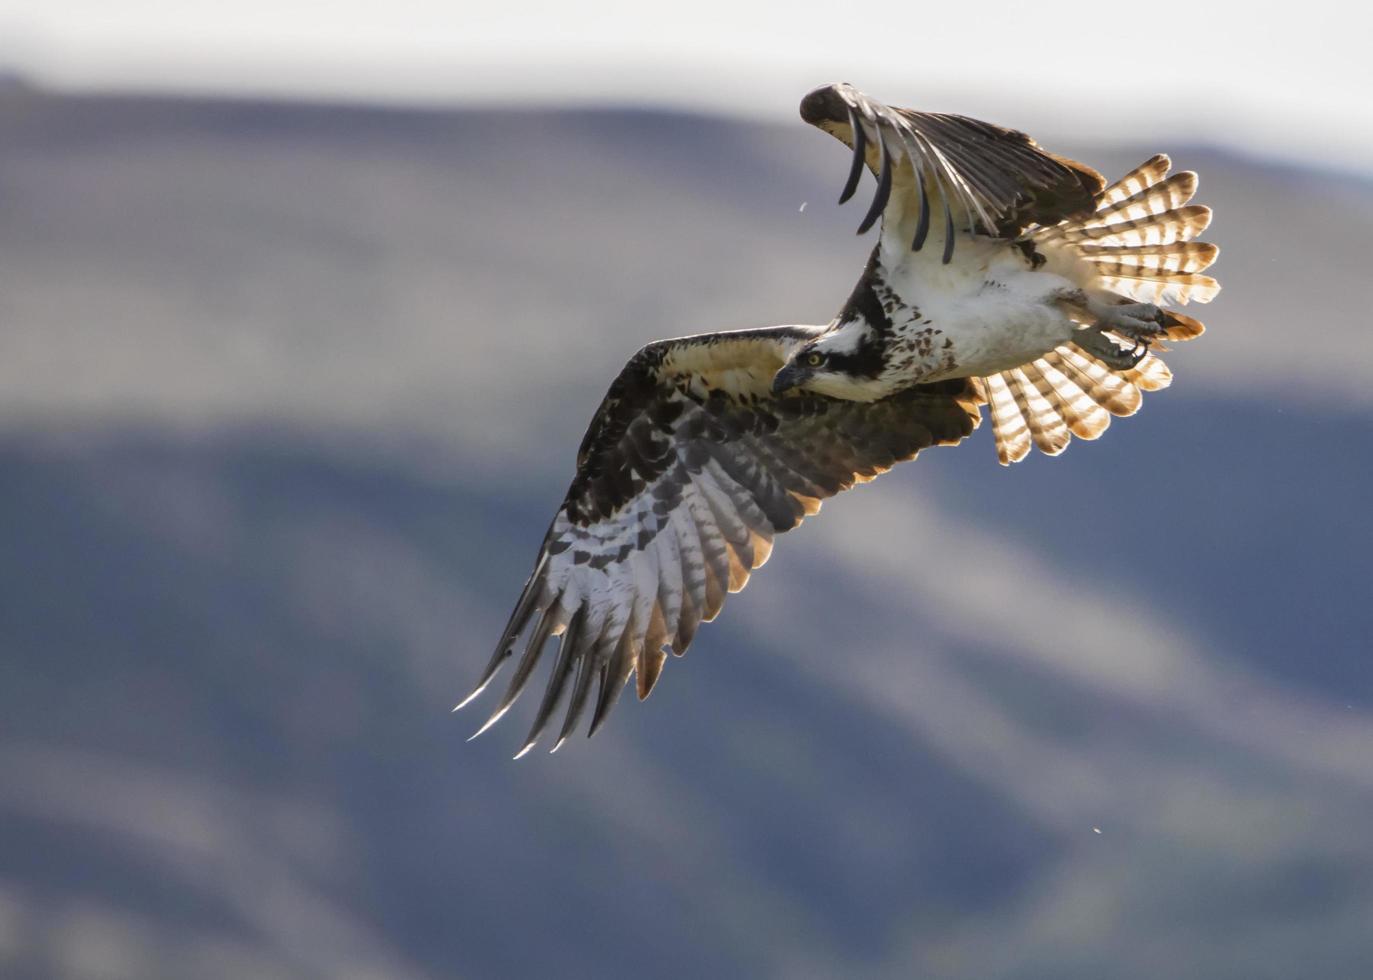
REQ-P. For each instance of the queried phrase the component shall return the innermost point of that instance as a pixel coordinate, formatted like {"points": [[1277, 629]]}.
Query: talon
{"points": [[1136, 321], [1109, 352], [1147, 312]]}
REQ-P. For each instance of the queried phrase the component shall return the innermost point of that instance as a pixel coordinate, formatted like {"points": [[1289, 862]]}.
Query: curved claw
{"points": [[1108, 352]]}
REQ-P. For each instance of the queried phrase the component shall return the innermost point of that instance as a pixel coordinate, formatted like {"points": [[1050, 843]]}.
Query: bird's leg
{"points": [[1137, 322], [1104, 349], [1140, 322]]}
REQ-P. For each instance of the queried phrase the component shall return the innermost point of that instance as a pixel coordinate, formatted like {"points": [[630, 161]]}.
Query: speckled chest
{"points": [[914, 345], [972, 324]]}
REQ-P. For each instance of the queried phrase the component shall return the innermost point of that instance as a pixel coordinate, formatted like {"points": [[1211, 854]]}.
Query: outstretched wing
{"points": [[962, 175], [688, 470]]}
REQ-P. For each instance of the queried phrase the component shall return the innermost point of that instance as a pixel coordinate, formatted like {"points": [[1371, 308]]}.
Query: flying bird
{"points": [[1003, 275]]}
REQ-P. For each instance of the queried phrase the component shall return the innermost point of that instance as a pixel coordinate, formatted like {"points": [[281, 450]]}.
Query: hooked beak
{"points": [[791, 375]]}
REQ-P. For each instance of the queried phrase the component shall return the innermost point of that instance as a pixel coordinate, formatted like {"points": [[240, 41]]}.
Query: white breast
{"points": [[988, 314]]}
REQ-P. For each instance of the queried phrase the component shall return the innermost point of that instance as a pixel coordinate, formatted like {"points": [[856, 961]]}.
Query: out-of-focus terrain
{"points": [[287, 397]]}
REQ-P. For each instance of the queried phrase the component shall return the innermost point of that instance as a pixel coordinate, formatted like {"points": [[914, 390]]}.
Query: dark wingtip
{"points": [[502, 653], [581, 688], [948, 234], [567, 649], [613, 679], [519, 618], [610, 694], [860, 157], [922, 229], [823, 104], [879, 200]]}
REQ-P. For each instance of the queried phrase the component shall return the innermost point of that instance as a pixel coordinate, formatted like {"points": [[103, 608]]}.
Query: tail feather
{"points": [[1085, 417], [1137, 246], [1048, 429], [1178, 257], [1104, 386], [1167, 195], [1008, 423], [1147, 174], [1179, 225], [1180, 327], [1067, 392], [1159, 287]]}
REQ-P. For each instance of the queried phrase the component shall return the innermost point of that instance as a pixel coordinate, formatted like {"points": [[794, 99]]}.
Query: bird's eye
{"points": [[815, 360]]}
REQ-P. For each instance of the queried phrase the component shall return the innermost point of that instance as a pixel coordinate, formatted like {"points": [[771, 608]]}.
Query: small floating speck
{"points": [[802, 207], [1096, 830]]}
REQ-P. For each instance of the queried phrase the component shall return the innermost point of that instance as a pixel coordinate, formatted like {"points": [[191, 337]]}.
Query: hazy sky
{"points": [[1289, 79]]}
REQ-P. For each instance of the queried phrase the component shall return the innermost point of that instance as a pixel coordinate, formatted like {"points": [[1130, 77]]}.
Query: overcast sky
{"points": [[1291, 80]]}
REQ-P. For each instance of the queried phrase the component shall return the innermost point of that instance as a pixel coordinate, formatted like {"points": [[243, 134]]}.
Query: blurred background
{"points": [[303, 311]]}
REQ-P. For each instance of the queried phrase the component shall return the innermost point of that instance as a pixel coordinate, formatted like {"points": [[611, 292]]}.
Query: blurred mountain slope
{"points": [[287, 396]]}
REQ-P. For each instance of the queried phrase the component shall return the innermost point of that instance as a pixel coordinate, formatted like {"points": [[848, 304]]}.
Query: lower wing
{"points": [[690, 467]]}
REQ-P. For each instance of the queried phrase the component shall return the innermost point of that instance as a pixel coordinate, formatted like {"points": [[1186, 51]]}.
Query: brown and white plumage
{"points": [[1003, 275], [689, 469], [944, 174], [1137, 244]]}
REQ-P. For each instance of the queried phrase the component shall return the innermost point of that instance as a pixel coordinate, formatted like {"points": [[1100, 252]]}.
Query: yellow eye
{"points": [[815, 360]]}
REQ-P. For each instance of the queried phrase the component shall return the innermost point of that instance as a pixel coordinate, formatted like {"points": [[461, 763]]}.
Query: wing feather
{"points": [[615, 673], [688, 470], [987, 179], [693, 594], [671, 579], [581, 687], [557, 681], [714, 548], [726, 500], [538, 638]]}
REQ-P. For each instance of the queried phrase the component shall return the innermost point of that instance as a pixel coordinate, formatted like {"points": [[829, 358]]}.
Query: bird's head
{"points": [[845, 362]]}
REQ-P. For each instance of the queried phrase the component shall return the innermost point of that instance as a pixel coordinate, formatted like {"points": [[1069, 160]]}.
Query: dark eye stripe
{"points": [[864, 362]]}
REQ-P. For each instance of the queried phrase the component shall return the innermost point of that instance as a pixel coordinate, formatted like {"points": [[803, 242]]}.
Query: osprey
{"points": [[1004, 275]]}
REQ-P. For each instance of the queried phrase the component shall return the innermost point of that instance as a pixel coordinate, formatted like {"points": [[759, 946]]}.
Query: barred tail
{"points": [[1067, 392], [1138, 246]]}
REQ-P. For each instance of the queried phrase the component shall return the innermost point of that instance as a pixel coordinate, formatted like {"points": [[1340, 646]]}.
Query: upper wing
{"points": [[976, 177], [689, 468]]}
